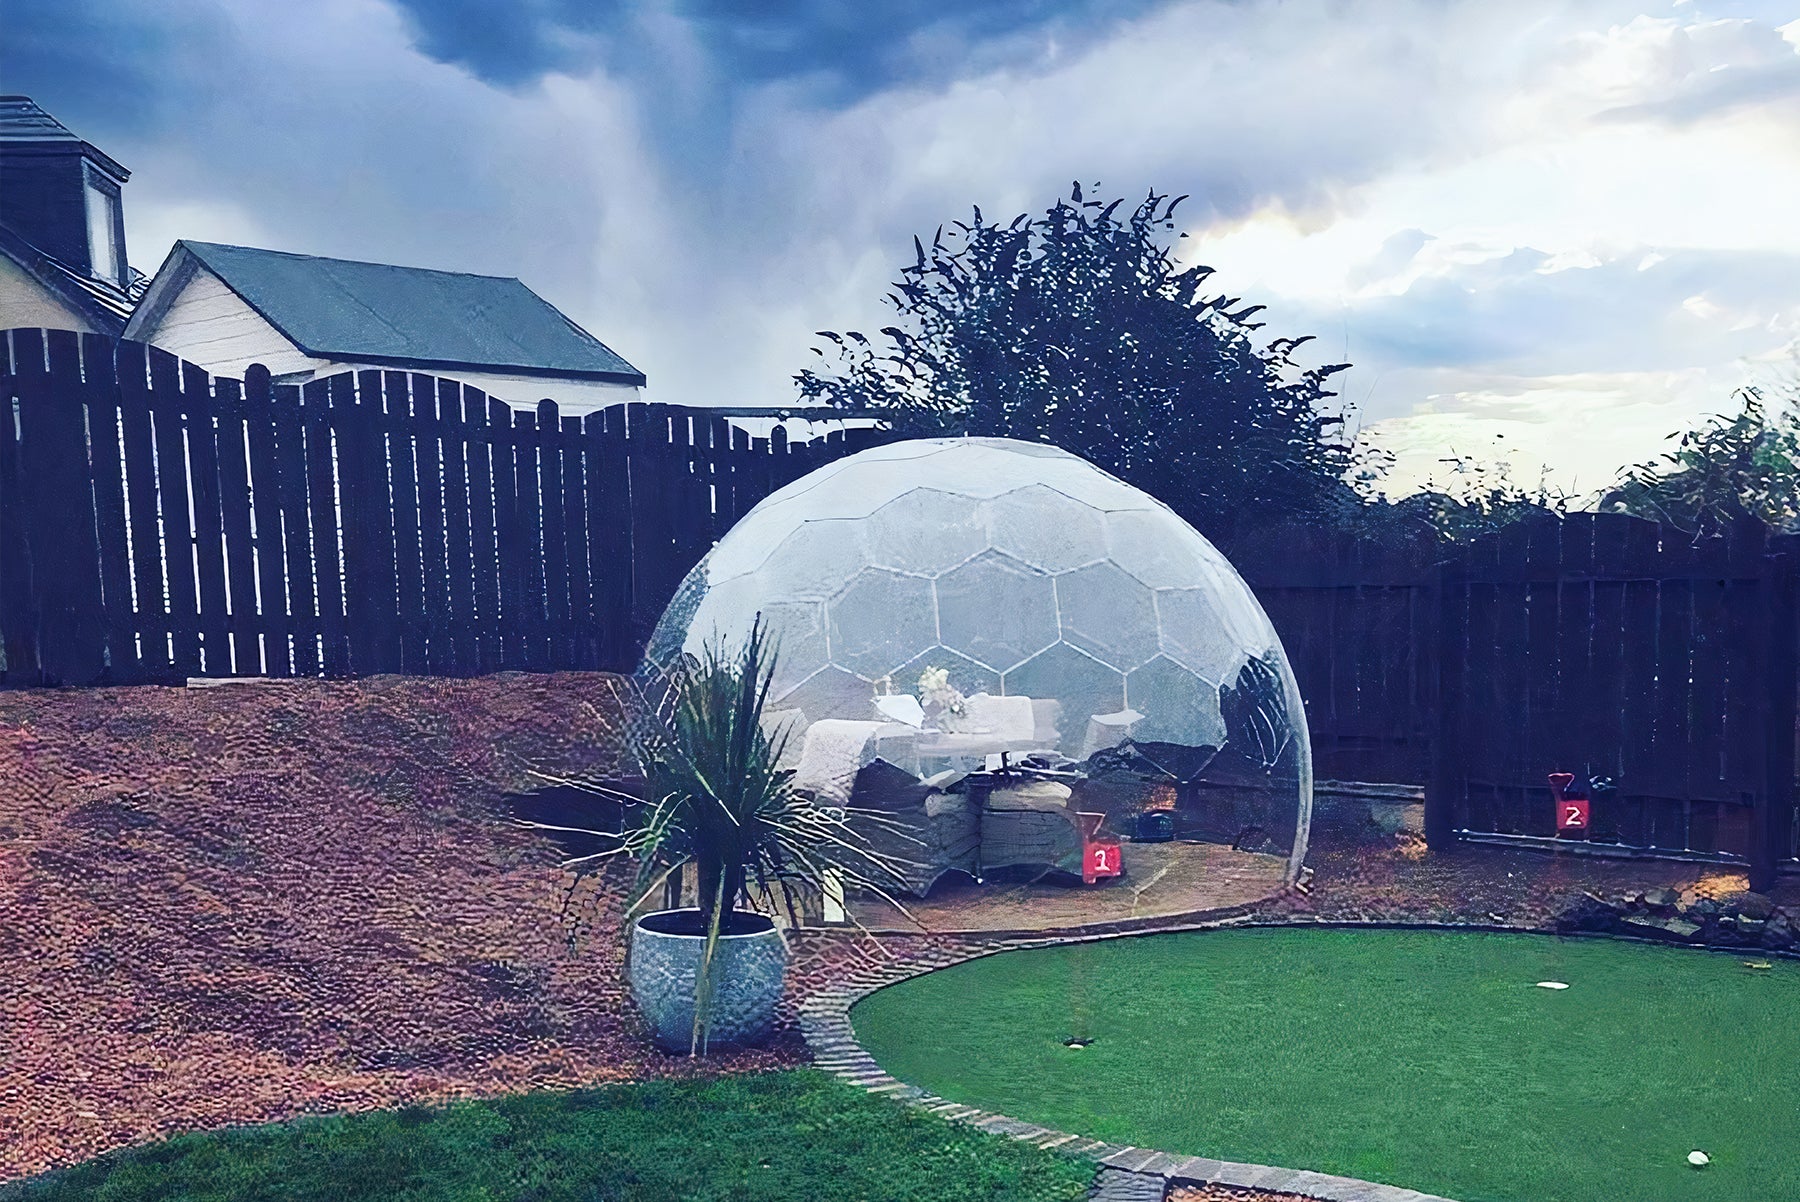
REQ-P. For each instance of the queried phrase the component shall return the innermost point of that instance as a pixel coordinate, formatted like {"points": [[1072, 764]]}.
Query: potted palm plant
{"points": [[715, 799]]}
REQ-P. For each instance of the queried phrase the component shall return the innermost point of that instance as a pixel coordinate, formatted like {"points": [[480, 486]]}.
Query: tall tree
{"points": [[1079, 329]]}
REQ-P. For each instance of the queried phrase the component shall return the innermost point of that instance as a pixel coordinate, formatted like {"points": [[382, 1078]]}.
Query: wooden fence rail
{"points": [[157, 524]]}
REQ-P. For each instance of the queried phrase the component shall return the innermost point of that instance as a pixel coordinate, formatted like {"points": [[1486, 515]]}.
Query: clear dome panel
{"points": [[1108, 613], [1001, 609], [1023, 601], [926, 530], [1047, 529]]}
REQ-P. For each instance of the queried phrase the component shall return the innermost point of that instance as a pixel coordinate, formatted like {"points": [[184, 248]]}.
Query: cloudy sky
{"points": [[1551, 232]]}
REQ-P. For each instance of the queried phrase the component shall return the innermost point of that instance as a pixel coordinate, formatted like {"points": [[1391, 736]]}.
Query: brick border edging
{"points": [[1121, 1171]]}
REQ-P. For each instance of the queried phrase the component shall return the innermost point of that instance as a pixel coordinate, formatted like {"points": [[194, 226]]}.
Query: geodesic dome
{"points": [[1073, 613]]}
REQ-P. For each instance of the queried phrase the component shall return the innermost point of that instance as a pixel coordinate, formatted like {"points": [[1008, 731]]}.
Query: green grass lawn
{"points": [[1419, 1058], [774, 1136]]}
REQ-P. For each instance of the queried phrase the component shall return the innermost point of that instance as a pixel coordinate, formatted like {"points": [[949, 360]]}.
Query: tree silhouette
{"points": [[1079, 329]]}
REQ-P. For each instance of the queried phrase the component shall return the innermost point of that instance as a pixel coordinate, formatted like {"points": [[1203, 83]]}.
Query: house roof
{"points": [[106, 306], [407, 316], [23, 124]]}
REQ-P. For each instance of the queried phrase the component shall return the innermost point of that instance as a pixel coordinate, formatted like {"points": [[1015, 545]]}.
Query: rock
{"points": [[1705, 907], [1725, 932], [1752, 928], [1589, 914], [1662, 928], [1752, 905], [1778, 933], [1662, 899]]}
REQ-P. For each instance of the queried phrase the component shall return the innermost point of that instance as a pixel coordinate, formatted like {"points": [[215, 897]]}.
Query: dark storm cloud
{"points": [[841, 51], [107, 68]]}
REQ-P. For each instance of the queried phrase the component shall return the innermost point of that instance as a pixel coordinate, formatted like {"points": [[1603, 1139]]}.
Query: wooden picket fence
{"points": [[158, 524], [1597, 644]]}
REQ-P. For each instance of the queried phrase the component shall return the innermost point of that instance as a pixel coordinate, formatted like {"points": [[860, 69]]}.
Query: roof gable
{"points": [[379, 313]]}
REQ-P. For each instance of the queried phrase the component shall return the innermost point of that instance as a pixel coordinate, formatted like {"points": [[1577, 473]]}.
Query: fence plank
{"points": [[510, 544], [326, 521], [58, 510], [1772, 836], [235, 522], [265, 513], [18, 610], [1706, 671], [409, 572], [208, 532], [1674, 664], [296, 531], [584, 630], [108, 475], [143, 511], [553, 529], [169, 419], [609, 525], [370, 591], [485, 473], [459, 559], [1446, 797], [434, 583]]}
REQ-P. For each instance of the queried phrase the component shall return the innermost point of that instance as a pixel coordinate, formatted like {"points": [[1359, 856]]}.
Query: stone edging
{"points": [[1123, 1173]]}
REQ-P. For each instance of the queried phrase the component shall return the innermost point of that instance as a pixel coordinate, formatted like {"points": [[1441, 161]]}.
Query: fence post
{"points": [[1771, 831], [58, 508], [1448, 776]]}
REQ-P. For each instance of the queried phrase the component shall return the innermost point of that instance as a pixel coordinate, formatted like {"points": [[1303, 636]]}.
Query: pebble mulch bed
{"points": [[245, 903]]}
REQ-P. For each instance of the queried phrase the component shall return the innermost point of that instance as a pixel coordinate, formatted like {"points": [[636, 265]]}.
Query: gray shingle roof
{"points": [[380, 313], [24, 124]]}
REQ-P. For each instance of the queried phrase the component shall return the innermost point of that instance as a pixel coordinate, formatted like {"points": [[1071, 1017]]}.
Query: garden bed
{"points": [[245, 903]]}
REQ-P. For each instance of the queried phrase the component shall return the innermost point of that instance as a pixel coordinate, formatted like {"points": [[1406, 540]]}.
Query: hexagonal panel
{"points": [[1160, 552], [798, 631], [1196, 633], [1081, 684], [1108, 613], [926, 530], [830, 692], [966, 676], [815, 560], [996, 610], [879, 620], [1047, 529], [1178, 706]]}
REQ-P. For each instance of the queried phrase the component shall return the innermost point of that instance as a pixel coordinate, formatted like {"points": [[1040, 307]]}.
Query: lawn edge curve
{"points": [[1121, 1172]]}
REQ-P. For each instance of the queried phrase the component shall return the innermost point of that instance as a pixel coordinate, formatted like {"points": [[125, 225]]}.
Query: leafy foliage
{"points": [[1476, 500], [769, 1136], [1079, 329], [1746, 465]]}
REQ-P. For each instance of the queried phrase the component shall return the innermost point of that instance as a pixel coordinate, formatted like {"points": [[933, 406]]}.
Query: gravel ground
{"points": [[240, 904]]}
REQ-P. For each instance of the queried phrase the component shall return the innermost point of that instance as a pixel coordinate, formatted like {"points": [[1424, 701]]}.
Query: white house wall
{"points": [[572, 397], [210, 325], [27, 304]]}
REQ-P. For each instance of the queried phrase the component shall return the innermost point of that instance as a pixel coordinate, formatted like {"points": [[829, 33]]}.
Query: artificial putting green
{"points": [[1425, 1059]]}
